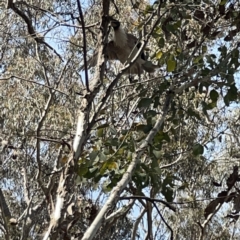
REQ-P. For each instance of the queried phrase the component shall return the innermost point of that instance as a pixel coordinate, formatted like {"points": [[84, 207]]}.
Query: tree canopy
{"points": [[88, 154]]}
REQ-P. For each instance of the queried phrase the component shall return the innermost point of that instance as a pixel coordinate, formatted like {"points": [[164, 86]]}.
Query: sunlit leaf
{"points": [[159, 54], [171, 65], [100, 132], [204, 49], [108, 165], [223, 2], [82, 169]]}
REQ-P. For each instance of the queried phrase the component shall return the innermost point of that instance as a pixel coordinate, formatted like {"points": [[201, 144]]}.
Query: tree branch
{"points": [[126, 178], [31, 30], [168, 205], [84, 44]]}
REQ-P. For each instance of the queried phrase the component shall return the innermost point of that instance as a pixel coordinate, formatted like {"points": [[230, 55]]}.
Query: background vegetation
{"points": [[89, 155]]}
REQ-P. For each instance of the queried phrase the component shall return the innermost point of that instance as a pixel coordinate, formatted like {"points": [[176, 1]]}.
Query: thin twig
{"points": [[135, 226], [168, 226], [31, 81], [173, 163], [151, 200]]}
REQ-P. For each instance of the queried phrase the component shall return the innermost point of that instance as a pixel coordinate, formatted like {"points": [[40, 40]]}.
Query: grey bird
{"points": [[124, 48]]}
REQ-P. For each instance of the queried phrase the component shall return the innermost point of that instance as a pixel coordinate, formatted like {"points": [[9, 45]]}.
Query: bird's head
{"points": [[115, 24]]}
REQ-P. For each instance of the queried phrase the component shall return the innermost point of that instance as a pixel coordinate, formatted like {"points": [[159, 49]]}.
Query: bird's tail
{"points": [[148, 66]]}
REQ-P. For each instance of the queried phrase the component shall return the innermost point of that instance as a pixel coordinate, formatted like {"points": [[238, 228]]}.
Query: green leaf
{"points": [[100, 132], [156, 102], [163, 86], [170, 28], [197, 59], [113, 130], [141, 179], [171, 65], [223, 2], [235, 58], [145, 128], [148, 9], [143, 92], [159, 54], [168, 194], [160, 136], [177, 24], [157, 32], [223, 51], [230, 76], [211, 105], [191, 112], [166, 188], [108, 165], [198, 149], [210, 61], [102, 156], [107, 187], [232, 95], [161, 42], [112, 142], [144, 102], [82, 169], [235, 54], [226, 100], [93, 155], [206, 71], [151, 113], [147, 64], [214, 95], [91, 173], [204, 49], [103, 126], [157, 154]]}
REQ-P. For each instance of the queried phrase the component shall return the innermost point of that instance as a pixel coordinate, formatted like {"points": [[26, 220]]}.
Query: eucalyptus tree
{"points": [[87, 154]]}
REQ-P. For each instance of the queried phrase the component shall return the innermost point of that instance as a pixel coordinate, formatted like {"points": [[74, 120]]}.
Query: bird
{"points": [[124, 47]]}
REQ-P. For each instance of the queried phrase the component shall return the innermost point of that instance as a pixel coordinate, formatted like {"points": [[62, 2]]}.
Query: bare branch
{"points": [[84, 43], [31, 81], [155, 205], [137, 221], [168, 205], [5, 210], [30, 27], [149, 221], [120, 212]]}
